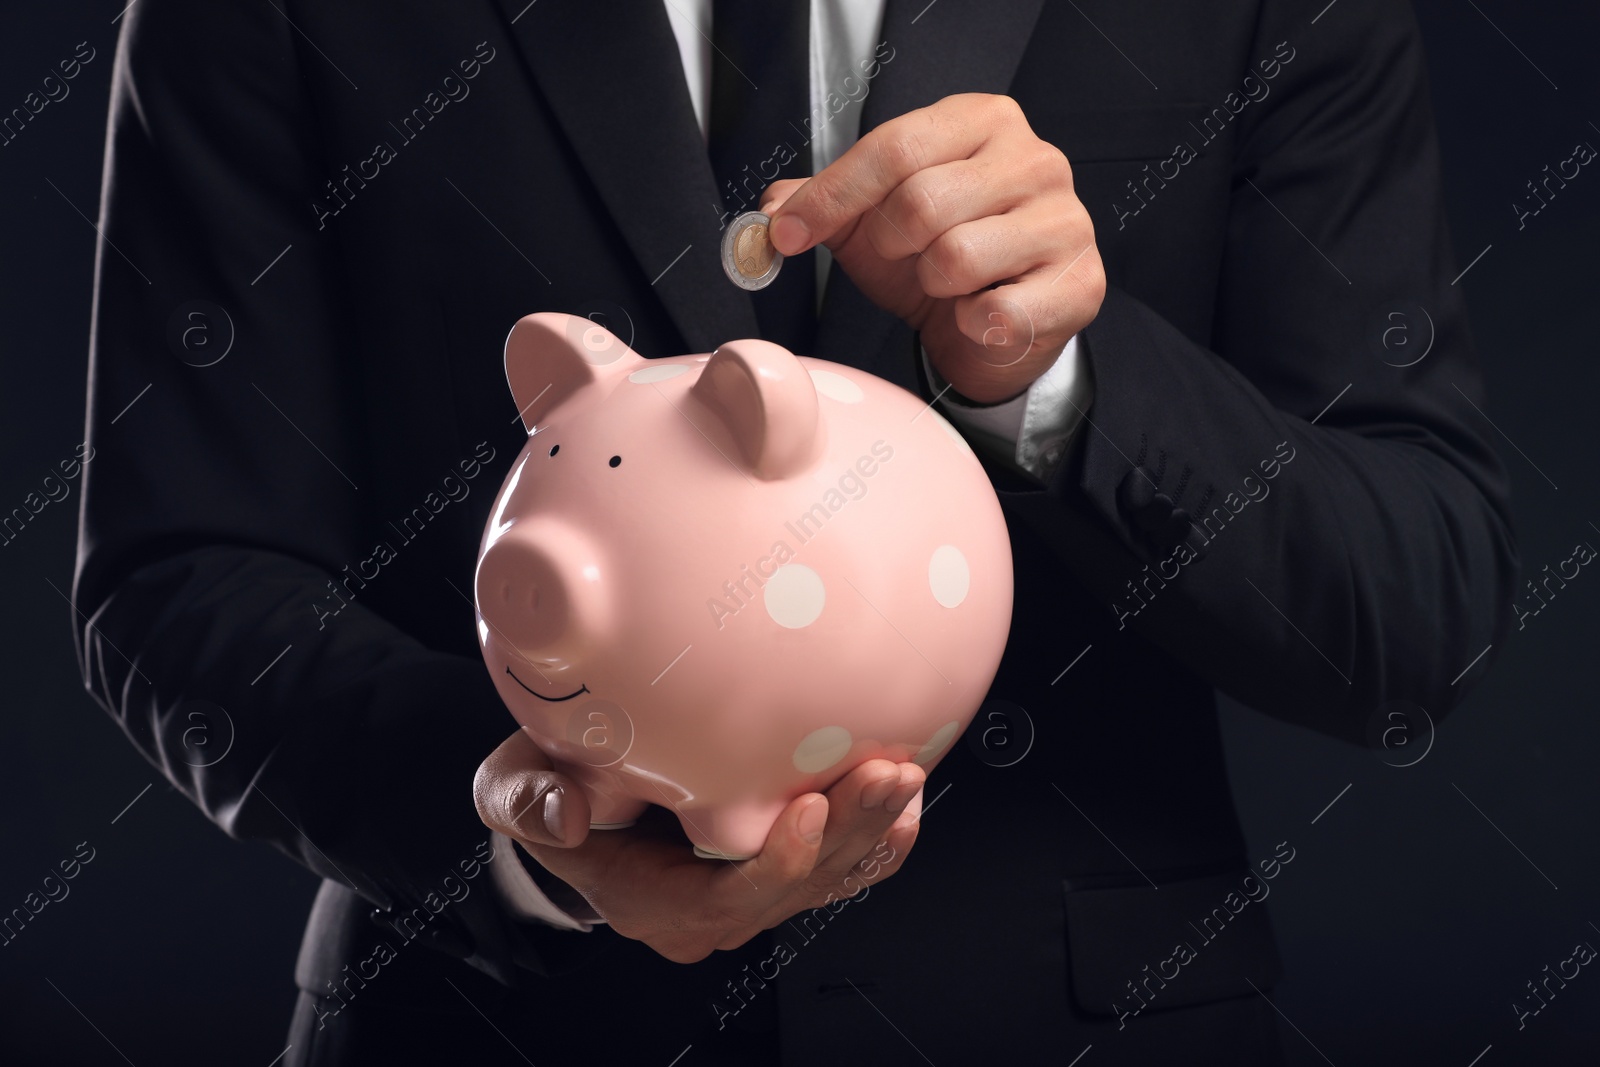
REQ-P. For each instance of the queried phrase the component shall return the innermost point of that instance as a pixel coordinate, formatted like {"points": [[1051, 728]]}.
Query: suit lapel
{"points": [[947, 47], [611, 73], [940, 48]]}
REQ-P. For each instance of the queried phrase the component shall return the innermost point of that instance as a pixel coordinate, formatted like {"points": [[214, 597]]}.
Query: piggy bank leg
{"points": [[610, 805], [735, 832], [613, 811]]}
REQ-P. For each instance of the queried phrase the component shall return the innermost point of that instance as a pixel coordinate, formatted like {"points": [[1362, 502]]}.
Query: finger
{"points": [[1033, 316], [881, 861], [1000, 248], [912, 815], [791, 848], [890, 854], [887, 856], [773, 196], [869, 171], [884, 858], [934, 200], [867, 802], [749, 890], [518, 792]]}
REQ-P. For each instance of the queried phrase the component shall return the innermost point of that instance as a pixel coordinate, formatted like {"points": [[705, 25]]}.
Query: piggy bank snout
{"points": [[540, 588]]}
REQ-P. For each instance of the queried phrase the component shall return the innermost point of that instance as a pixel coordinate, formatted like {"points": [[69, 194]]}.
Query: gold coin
{"points": [[752, 252], [748, 258]]}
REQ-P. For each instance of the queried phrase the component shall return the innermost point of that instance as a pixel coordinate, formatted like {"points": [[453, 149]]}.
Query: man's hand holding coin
{"points": [[957, 218]]}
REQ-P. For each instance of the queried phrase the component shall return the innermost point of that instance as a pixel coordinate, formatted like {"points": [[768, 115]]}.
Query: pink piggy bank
{"points": [[718, 582]]}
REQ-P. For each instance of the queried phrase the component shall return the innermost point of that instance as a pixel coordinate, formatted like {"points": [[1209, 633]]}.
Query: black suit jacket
{"points": [[1259, 503]]}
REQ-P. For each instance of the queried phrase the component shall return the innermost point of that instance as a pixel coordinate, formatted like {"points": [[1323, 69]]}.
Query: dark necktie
{"points": [[760, 103]]}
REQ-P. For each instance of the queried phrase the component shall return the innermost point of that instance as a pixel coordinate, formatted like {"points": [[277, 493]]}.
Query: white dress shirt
{"points": [[1030, 431]]}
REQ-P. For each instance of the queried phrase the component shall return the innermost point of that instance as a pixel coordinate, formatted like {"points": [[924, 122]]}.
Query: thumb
{"points": [[774, 195], [520, 794]]}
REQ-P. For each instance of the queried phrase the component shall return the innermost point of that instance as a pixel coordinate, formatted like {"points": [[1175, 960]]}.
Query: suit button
{"points": [[1134, 494], [1173, 531], [1155, 516]]}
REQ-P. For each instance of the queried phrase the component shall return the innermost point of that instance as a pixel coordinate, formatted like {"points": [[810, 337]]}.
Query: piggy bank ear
{"points": [[765, 399], [549, 357]]}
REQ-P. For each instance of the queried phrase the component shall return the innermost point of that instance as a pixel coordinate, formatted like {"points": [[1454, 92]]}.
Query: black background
{"points": [[1418, 905]]}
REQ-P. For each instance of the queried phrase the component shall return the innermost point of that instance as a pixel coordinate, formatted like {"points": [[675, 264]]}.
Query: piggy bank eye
{"points": [[554, 449], [616, 461]]}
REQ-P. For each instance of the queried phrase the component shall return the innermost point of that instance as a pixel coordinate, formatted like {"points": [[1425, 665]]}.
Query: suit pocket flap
{"points": [[1131, 947]]}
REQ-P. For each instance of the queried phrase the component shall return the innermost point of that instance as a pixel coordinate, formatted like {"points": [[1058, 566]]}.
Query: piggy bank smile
{"points": [[554, 700]]}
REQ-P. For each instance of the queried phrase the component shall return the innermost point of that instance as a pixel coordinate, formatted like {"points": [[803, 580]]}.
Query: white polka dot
{"points": [[955, 434], [657, 372], [837, 387], [949, 576], [936, 744], [821, 749], [794, 596], [600, 346]]}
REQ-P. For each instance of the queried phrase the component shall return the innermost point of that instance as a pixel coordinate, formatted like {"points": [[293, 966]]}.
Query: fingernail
{"points": [[812, 819], [790, 234], [875, 794], [553, 802], [524, 808]]}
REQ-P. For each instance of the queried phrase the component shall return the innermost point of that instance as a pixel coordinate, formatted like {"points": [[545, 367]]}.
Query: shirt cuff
{"points": [[524, 898], [1030, 431]]}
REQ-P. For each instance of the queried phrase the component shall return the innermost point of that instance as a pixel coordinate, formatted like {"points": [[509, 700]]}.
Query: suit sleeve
{"points": [[1314, 568], [221, 503]]}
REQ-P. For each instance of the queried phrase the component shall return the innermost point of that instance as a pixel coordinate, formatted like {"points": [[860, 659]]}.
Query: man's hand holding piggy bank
{"points": [[763, 592], [650, 887]]}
